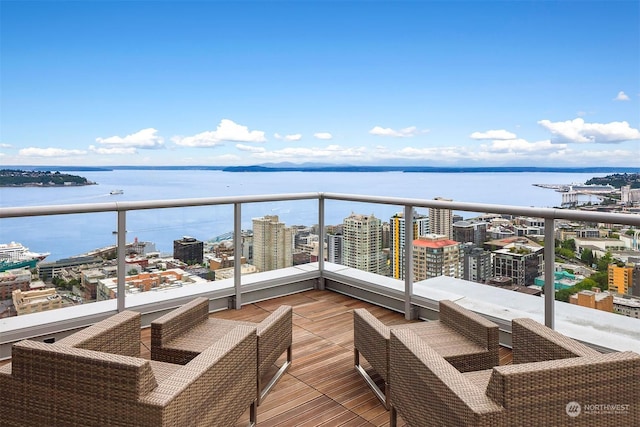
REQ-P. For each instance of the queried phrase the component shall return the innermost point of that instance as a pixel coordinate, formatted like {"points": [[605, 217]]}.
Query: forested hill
{"points": [[21, 178], [617, 180]]}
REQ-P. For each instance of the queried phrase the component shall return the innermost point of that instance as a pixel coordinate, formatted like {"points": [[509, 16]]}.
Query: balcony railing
{"points": [[405, 296]]}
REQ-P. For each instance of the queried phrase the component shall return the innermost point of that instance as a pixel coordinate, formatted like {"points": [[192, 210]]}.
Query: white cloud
{"points": [[250, 148], [580, 132], [112, 150], [621, 96], [402, 133], [323, 135], [227, 130], [203, 139], [493, 134], [4, 145], [523, 146], [292, 137], [145, 138], [49, 152]]}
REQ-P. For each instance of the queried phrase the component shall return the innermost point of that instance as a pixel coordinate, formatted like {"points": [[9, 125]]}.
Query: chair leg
{"points": [[253, 414], [380, 394], [262, 392], [393, 417]]}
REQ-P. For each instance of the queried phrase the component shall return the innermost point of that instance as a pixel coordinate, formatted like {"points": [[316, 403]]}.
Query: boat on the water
{"points": [[15, 255], [114, 192]]}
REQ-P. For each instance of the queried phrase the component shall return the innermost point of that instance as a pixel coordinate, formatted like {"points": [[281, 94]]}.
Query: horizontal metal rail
{"points": [[549, 214]]}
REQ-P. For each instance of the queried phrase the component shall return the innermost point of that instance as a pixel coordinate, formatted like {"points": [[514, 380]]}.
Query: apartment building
{"points": [[620, 278], [441, 220], [420, 227], [272, 243], [362, 242], [436, 255], [522, 262]]}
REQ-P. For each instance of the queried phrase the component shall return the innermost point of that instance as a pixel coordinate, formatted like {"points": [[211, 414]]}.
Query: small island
{"points": [[22, 178]]}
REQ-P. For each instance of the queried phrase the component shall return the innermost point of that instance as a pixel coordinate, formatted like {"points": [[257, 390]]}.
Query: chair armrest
{"points": [[469, 324], [178, 321], [118, 334], [535, 342], [371, 338], [421, 380], [275, 335], [542, 390]]}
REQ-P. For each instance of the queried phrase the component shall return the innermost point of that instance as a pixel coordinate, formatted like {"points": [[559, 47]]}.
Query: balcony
{"points": [[323, 294]]}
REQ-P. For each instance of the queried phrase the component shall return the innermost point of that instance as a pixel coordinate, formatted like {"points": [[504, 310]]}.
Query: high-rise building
{"points": [[397, 240], [441, 220], [272, 243], [362, 242], [334, 248], [476, 263], [522, 262], [470, 231], [436, 255], [188, 250]]}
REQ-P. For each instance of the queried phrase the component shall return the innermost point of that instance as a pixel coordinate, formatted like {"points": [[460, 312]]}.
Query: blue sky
{"points": [[478, 83]]}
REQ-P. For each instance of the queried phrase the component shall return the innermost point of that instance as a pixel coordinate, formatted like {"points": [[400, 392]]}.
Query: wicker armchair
{"points": [[465, 339], [82, 380], [179, 336], [427, 391]]}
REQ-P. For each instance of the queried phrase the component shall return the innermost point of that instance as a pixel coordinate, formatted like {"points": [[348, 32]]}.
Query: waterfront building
{"points": [[362, 242], [188, 250], [420, 225], [441, 220], [11, 280], [49, 270], [436, 255], [272, 243], [35, 301], [145, 282]]}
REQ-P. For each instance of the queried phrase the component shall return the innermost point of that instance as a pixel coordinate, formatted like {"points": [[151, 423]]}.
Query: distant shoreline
{"points": [[344, 168]]}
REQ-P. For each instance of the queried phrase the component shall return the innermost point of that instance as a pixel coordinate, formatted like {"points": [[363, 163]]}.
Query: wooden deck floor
{"points": [[321, 387]]}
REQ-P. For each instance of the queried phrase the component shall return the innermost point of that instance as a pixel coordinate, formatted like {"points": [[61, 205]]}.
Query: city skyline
{"points": [[464, 83]]}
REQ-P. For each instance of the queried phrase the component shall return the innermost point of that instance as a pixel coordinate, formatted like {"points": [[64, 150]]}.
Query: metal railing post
{"points": [[321, 240], [549, 276], [408, 261], [121, 237], [237, 254]]}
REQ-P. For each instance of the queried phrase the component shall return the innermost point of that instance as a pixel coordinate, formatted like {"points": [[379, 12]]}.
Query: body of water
{"points": [[69, 235]]}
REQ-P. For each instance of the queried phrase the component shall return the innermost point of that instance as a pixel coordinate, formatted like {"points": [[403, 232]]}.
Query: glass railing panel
{"points": [[175, 248], [279, 234], [52, 262], [365, 236], [597, 282]]}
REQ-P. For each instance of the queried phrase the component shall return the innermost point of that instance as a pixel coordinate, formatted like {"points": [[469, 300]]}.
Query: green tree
{"points": [[602, 279], [603, 263], [587, 257]]}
